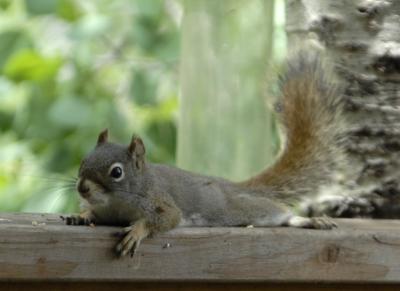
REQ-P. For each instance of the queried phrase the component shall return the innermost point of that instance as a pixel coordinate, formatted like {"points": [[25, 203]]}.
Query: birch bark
{"points": [[363, 37]]}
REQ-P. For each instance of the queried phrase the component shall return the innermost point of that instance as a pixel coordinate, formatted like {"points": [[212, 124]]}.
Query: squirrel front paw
{"points": [[80, 219], [133, 236]]}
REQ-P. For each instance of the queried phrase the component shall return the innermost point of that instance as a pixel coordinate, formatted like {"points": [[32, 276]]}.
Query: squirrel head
{"points": [[111, 169]]}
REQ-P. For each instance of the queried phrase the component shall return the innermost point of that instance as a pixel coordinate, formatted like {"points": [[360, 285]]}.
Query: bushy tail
{"points": [[310, 109]]}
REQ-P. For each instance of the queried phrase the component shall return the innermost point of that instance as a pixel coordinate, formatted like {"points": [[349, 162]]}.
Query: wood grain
{"points": [[189, 286], [358, 251]]}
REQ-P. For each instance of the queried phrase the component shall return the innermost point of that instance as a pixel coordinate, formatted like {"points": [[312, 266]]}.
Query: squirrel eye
{"points": [[117, 173]]}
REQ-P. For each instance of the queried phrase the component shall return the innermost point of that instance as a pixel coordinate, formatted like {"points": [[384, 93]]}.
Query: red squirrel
{"points": [[119, 187]]}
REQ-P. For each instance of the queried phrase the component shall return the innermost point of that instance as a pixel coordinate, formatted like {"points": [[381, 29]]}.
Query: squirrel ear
{"points": [[103, 137], [137, 149]]}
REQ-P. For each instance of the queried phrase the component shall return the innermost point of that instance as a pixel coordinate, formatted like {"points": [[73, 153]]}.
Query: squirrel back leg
{"points": [[322, 222], [266, 213], [291, 220]]}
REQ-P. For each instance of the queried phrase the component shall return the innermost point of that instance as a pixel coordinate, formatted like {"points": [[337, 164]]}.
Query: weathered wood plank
{"points": [[189, 286], [358, 251]]}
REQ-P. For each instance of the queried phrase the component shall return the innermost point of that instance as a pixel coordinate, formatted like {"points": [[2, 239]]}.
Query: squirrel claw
{"points": [[129, 244], [77, 220]]}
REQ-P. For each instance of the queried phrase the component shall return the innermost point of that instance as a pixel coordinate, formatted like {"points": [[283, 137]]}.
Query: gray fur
{"points": [[200, 200], [218, 201]]}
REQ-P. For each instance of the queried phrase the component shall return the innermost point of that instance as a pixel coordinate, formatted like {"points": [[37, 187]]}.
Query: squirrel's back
{"points": [[310, 109]]}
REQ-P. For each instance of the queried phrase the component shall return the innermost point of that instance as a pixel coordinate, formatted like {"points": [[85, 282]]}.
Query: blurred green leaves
{"points": [[68, 10], [11, 41], [36, 7], [78, 112], [65, 9], [28, 65], [70, 68]]}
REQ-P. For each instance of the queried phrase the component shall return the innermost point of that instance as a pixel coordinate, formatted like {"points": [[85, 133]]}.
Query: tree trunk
{"points": [[362, 36], [225, 128]]}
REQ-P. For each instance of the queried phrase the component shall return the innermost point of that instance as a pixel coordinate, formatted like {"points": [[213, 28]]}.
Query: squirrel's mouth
{"points": [[90, 191], [83, 187]]}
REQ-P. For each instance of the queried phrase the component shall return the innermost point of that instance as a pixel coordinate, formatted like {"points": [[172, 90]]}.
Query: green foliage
{"points": [[70, 68], [28, 65], [11, 41]]}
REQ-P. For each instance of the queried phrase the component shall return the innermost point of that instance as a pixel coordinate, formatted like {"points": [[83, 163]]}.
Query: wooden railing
{"points": [[40, 248]]}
